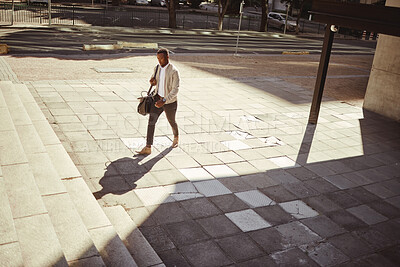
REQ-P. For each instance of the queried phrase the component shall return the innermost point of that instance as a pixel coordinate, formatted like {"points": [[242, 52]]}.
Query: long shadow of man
{"points": [[122, 174]]}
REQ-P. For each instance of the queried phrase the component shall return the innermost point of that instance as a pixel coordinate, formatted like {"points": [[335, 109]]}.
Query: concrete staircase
{"points": [[48, 216]]}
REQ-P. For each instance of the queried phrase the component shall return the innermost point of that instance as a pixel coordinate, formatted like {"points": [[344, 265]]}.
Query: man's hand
{"points": [[159, 103], [153, 81]]}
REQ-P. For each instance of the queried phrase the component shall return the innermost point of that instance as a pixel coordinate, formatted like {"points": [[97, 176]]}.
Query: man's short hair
{"points": [[163, 51]]}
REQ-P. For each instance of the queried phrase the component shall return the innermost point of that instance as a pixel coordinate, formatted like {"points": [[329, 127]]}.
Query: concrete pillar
{"points": [[383, 90]]}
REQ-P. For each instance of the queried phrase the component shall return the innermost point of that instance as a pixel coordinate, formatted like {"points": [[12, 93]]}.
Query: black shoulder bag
{"points": [[147, 101]]}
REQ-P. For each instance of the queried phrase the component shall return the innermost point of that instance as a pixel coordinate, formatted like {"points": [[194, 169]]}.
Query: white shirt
{"points": [[161, 85]]}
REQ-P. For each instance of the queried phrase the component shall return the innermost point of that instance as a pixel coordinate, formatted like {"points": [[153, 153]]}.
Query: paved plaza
{"points": [[251, 183]]}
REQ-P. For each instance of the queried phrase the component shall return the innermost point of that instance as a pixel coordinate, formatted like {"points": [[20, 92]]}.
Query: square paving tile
{"points": [[180, 188], [263, 164], [229, 203], [296, 234], [259, 180], [228, 157], [235, 145], [200, 207], [301, 190], [205, 254], [302, 173], [389, 228], [367, 215], [206, 159], [298, 209], [236, 184], [380, 190], [322, 204], [172, 258], [278, 193], [293, 257], [346, 220], [255, 198], [395, 201], [343, 199], [211, 188], [153, 195], [196, 174], [392, 254], [184, 233], [340, 181], [243, 168], [220, 171], [321, 185], [325, 254], [350, 245], [248, 220], [134, 143], [323, 226], [158, 238], [385, 209], [183, 161], [169, 213], [218, 226], [258, 262], [269, 239], [239, 247], [282, 176], [374, 238], [274, 214], [374, 260], [362, 195], [284, 162]]}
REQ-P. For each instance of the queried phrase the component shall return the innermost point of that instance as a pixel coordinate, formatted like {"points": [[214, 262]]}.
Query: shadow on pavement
{"points": [[119, 176]]}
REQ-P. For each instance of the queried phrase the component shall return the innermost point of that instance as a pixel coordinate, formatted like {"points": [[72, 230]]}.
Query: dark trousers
{"points": [[170, 112]]}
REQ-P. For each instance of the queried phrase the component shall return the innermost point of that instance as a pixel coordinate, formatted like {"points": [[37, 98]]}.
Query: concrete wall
{"points": [[383, 90]]}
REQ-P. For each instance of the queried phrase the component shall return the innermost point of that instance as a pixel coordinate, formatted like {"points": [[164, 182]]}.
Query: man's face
{"points": [[162, 59]]}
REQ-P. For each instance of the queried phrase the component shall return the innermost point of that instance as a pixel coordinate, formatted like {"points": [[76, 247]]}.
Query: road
{"points": [[70, 40]]}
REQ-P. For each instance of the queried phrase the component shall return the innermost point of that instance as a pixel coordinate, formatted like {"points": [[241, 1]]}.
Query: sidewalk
{"points": [[250, 184]]}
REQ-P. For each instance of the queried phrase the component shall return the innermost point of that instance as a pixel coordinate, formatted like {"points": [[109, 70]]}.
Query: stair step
{"points": [[88, 262], [63, 164], [72, 234], [74, 238], [23, 194], [29, 139], [111, 248], [103, 234], [46, 177], [38, 241], [10, 255], [7, 230], [103, 238], [15, 106], [140, 249]]}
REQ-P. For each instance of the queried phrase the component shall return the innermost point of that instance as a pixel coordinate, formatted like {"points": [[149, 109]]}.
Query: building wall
{"points": [[383, 90]]}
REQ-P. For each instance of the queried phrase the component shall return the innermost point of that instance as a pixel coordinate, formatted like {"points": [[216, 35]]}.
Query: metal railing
{"points": [[129, 17]]}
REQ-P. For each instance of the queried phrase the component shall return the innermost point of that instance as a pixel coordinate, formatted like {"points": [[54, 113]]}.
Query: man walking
{"points": [[166, 80]]}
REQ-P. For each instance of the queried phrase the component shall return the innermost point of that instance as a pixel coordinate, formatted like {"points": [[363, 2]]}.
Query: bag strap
{"points": [[154, 76]]}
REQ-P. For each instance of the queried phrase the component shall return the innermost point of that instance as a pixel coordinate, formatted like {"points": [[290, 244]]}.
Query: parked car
{"points": [[209, 6], [158, 3], [277, 20], [141, 2]]}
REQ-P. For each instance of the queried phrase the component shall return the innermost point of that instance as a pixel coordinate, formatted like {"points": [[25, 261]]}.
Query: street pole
{"points": [[287, 14], [240, 22], [12, 13], [49, 5]]}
